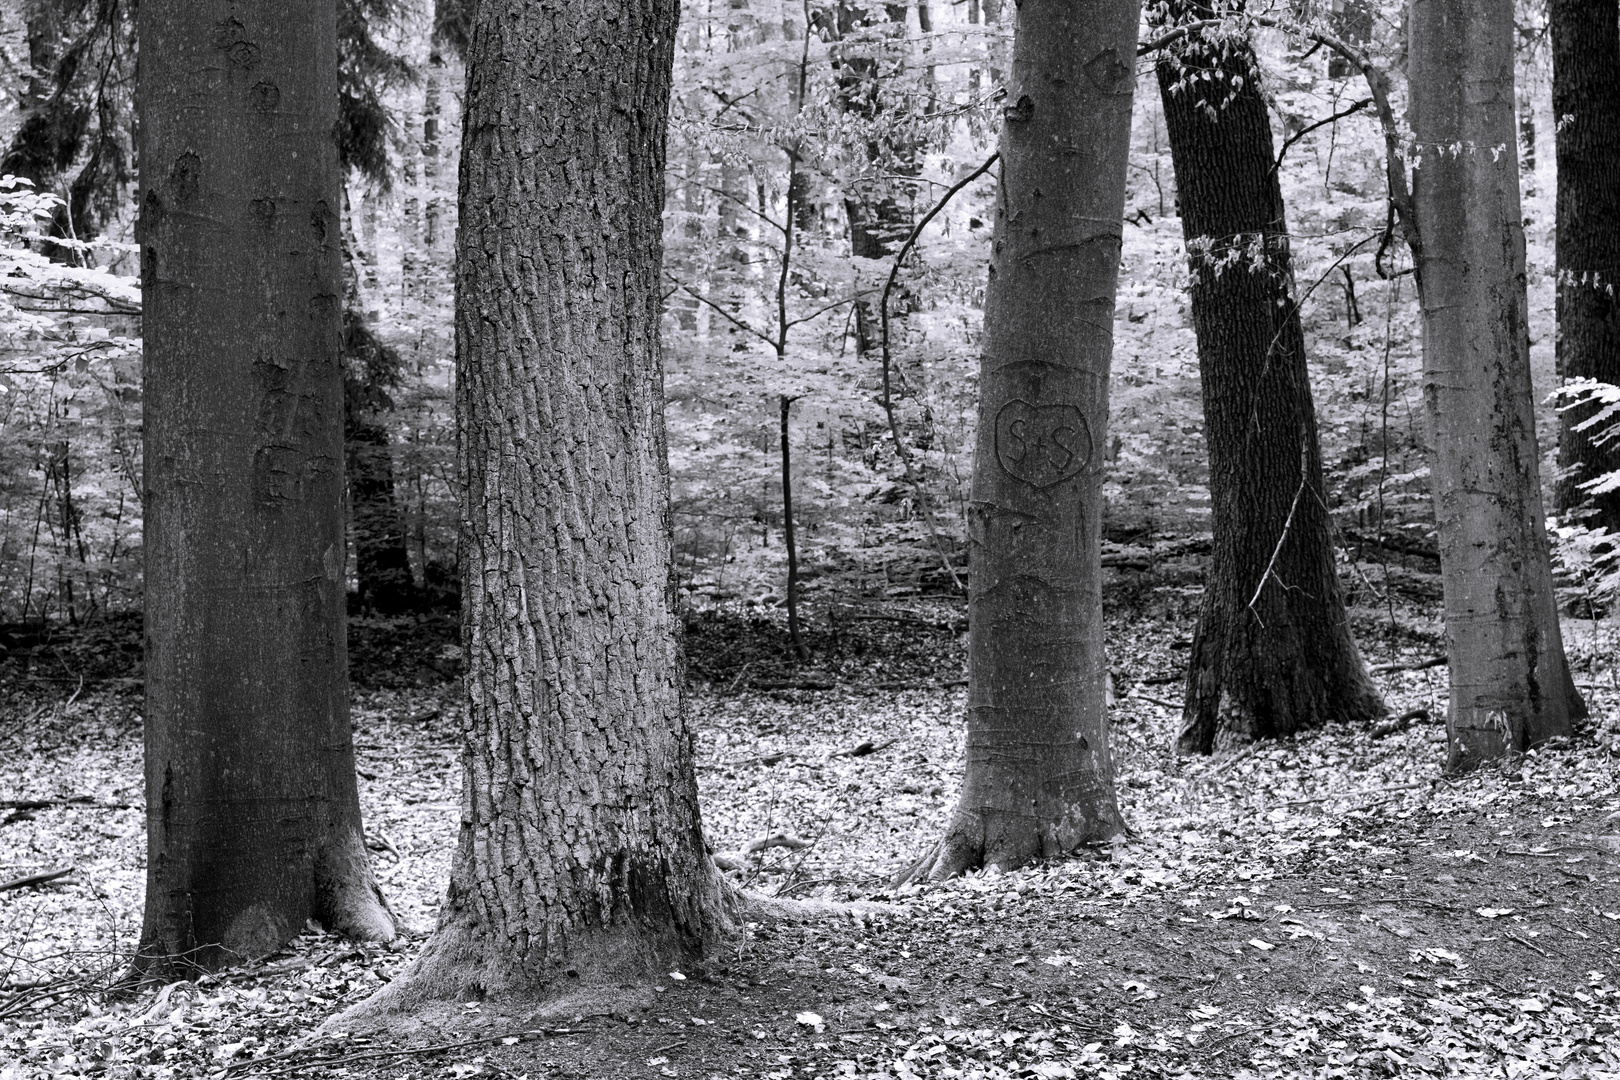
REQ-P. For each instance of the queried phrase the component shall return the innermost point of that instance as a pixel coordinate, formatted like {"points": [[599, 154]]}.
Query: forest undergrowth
{"points": [[1328, 906]]}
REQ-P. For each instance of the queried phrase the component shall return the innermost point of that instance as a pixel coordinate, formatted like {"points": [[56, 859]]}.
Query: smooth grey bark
{"points": [[253, 819], [581, 859], [1510, 681], [1039, 780]]}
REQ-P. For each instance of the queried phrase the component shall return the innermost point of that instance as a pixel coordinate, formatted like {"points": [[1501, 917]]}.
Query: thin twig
{"points": [[900, 447], [1381, 900], [1378, 795], [1532, 946], [1277, 551]]}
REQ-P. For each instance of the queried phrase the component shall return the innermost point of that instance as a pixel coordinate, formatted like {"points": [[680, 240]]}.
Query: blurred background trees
{"points": [[846, 121]]}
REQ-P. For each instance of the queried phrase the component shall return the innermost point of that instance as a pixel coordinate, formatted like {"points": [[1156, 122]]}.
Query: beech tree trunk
{"points": [[1039, 781], [1273, 652], [1510, 682], [581, 859], [1586, 101], [253, 821]]}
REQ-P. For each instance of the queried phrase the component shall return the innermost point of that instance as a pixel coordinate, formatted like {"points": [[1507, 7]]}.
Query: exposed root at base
{"points": [[859, 912], [608, 975], [608, 972], [962, 850], [360, 912], [947, 858]]}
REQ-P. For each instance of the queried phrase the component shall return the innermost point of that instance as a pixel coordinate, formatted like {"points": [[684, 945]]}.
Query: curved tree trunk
{"points": [[1510, 682], [1586, 101], [581, 860], [1039, 779], [253, 820], [1273, 652]]}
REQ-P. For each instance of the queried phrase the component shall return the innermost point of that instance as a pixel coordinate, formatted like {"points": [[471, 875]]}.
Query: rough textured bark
{"points": [[1273, 652], [581, 860], [1039, 780], [253, 822], [1586, 101], [1510, 682]]}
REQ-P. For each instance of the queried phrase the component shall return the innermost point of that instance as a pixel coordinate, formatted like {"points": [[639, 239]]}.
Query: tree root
{"points": [[948, 857], [607, 971], [782, 909]]}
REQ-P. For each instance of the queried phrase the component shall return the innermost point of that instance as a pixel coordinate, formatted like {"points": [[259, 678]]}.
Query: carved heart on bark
{"points": [[1042, 445]]}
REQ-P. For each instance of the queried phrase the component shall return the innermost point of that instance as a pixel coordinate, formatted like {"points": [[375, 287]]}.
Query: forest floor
{"points": [[1327, 906]]}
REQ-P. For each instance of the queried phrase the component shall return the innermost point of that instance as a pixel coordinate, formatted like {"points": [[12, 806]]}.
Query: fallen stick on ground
{"points": [[70, 800], [951, 685], [1531, 946], [1397, 724], [763, 759], [792, 684], [1414, 665], [862, 749], [1374, 796], [373, 1055], [1160, 702], [765, 843], [1380, 900], [35, 879]]}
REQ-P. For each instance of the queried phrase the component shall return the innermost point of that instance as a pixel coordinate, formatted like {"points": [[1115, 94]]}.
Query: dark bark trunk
{"points": [[789, 538], [1273, 652], [253, 819], [1510, 682], [1586, 101], [796, 196], [382, 553], [1039, 780], [581, 858]]}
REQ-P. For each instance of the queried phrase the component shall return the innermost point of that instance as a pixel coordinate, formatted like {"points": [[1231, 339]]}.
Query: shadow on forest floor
{"points": [[418, 650], [1326, 906]]}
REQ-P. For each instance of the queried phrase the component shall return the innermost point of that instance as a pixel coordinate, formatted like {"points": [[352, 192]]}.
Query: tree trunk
{"points": [[1273, 652], [1039, 781], [789, 538], [381, 553], [1586, 101], [581, 859], [1510, 682], [253, 820]]}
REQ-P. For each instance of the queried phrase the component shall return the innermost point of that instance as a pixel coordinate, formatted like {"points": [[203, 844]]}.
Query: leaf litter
{"points": [[1327, 906]]}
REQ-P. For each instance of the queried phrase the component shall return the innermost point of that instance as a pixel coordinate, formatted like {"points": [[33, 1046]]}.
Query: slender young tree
{"points": [[581, 859], [1586, 101], [1510, 682], [1039, 780], [1273, 652], [253, 820]]}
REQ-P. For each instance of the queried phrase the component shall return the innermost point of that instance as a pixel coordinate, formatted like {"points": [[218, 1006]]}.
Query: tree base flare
{"points": [[962, 850], [607, 972]]}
